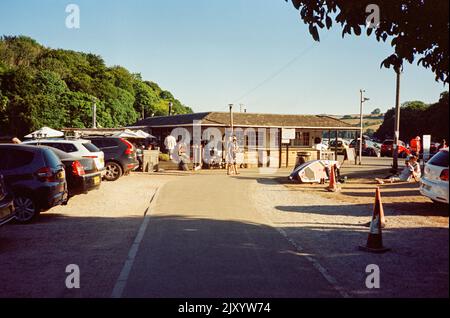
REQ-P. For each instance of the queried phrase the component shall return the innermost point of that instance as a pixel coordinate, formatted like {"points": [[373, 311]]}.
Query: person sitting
{"points": [[411, 172]]}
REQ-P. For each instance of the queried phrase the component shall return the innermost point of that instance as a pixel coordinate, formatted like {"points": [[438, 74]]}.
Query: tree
{"points": [[417, 29], [376, 111], [417, 119], [44, 87]]}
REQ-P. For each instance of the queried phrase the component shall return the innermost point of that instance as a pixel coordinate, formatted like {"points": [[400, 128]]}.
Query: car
{"points": [[120, 155], [434, 182], [76, 147], [7, 211], [82, 174], [369, 148], [36, 178], [342, 145], [387, 149]]}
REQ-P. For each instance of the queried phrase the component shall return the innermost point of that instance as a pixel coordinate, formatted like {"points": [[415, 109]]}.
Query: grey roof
{"points": [[245, 120]]}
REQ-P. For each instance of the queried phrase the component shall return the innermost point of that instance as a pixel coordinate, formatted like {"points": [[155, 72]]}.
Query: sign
{"points": [[426, 147], [285, 141], [287, 133], [350, 154]]}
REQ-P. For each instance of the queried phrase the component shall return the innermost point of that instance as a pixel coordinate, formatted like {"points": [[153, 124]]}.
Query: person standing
{"points": [[170, 142], [232, 150], [415, 146]]}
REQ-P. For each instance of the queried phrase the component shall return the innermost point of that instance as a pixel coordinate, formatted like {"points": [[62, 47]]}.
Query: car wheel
{"points": [[26, 209], [113, 171]]}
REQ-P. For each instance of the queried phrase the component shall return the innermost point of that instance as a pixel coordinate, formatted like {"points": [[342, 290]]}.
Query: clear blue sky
{"points": [[209, 53]]}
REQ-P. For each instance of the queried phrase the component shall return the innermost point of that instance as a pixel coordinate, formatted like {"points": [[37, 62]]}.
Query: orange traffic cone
{"points": [[375, 239], [332, 187], [380, 204]]}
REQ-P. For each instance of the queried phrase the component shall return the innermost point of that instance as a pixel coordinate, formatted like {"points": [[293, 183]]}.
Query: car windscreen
{"points": [[91, 147], [440, 159], [51, 158]]}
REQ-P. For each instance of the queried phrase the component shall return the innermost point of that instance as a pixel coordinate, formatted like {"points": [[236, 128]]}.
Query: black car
{"points": [[36, 178], [7, 211], [82, 174], [120, 156]]}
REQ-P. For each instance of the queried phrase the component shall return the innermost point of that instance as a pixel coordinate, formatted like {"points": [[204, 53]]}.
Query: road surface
{"points": [[206, 239]]}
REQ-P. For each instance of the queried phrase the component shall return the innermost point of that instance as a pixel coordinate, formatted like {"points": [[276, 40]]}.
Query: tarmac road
{"points": [[204, 238]]}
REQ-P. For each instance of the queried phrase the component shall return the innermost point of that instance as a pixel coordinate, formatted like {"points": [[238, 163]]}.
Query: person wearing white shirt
{"points": [[170, 142]]}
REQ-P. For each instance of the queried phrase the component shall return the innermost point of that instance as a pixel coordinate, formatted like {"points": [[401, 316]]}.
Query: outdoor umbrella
{"points": [[45, 132], [144, 134], [128, 134]]}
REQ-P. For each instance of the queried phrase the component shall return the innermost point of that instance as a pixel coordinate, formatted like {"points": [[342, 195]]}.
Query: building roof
{"points": [[246, 120]]}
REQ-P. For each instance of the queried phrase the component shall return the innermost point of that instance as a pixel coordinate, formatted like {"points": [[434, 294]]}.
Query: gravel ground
{"points": [[94, 231], [328, 227]]}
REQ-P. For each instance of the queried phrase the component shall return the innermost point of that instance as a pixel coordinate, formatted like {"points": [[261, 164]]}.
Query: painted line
{"points": [[126, 270], [322, 270]]}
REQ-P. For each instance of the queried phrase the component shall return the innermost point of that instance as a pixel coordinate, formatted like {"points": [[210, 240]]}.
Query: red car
{"points": [[387, 149]]}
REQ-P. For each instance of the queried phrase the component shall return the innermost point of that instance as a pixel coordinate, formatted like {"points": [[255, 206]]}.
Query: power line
{"points": [[278, 72]]}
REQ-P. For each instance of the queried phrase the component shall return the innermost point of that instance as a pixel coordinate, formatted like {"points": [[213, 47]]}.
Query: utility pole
{"points": [[397, 122], [231, 118], [170, 108], [361, 126]]}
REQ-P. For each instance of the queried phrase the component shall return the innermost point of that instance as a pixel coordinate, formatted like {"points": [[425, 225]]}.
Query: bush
{"points": [[164, 157]]}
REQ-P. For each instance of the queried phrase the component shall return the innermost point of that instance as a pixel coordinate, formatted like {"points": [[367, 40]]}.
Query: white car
{"points": [[77, 147], [434, 183]]}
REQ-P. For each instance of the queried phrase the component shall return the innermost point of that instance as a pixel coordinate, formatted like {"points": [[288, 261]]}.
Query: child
{"points": [[411, 171]]}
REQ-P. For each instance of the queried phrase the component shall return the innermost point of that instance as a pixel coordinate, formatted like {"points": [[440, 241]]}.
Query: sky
{"points": [[211, 53]]}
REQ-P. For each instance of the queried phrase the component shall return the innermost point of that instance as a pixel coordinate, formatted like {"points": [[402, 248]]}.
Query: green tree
{"points": [[416, 29], [376, 111]]}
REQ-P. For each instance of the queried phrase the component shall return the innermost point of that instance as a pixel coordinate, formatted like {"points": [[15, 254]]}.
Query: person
{"points": [[170, 142], [232, 149], [16, 141], [415, 146], [443, 144], [182, 156], [411, 172]]}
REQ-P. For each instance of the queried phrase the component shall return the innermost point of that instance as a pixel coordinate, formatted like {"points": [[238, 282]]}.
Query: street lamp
{"points": [[362, 101]]}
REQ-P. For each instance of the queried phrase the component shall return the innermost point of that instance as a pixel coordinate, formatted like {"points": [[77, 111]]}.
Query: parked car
{"points": [[369, 148], [120, 156], [342, 145], [434, 182], [36, 178], [7, 211], [387, 149], [82, 174], [76, 147]]}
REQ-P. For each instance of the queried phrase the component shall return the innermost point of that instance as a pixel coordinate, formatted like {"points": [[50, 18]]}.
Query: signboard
{"points": [[426, 140], [287, 133], [285, 141], [350, 154]]}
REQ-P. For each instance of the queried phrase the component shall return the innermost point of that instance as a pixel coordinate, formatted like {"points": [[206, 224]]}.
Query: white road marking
{"points": [[125, 273]]}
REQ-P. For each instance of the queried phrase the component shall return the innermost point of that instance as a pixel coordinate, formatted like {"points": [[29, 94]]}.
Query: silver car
{"points": [[434, 183]]}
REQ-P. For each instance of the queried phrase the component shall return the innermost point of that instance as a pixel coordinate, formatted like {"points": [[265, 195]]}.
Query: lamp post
{"points": [[397, 122], [94, 114], [362, 101], [231, 118]]}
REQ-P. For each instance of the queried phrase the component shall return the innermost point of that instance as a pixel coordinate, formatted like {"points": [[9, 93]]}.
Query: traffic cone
{"points": [[380, 204], [332, 187], [375, 239]]}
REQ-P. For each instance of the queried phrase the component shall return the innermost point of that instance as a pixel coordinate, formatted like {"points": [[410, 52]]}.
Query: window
{"points": [[440, 159], [19, 158], [91, 147], [301, 139]]}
